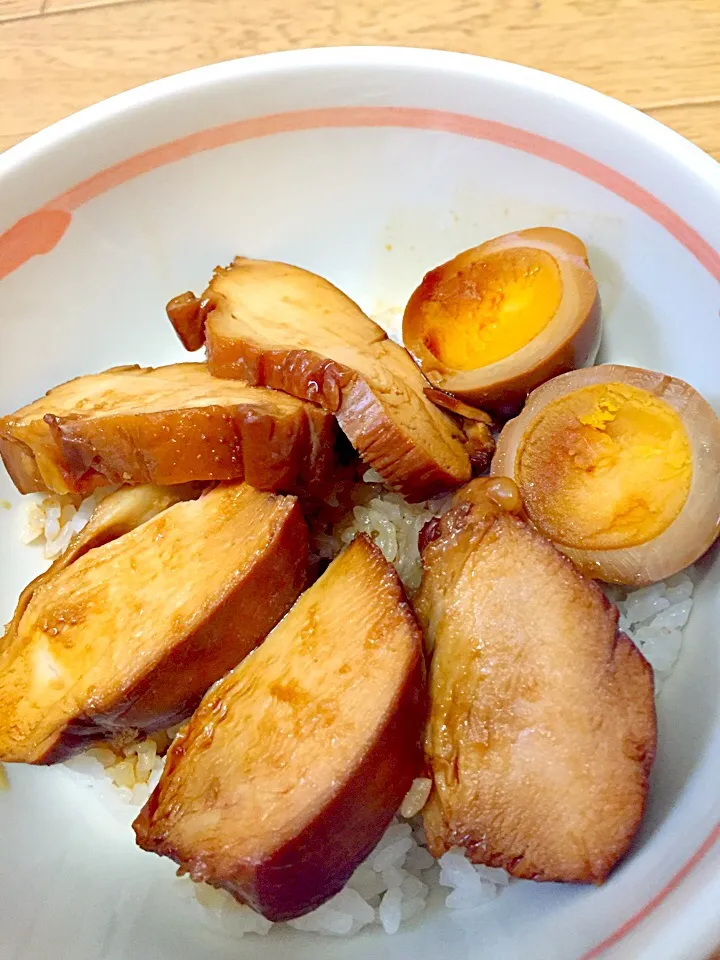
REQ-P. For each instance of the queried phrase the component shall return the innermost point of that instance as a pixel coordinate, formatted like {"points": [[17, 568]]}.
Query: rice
{"points": [[654, 618], [416, 797], [132, 764], [394, 525], [386, 891], [53, 519], [393, 886]]}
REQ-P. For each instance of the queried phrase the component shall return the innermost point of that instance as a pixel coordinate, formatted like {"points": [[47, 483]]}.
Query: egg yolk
{"points": [[491, 308], [605, 467]]}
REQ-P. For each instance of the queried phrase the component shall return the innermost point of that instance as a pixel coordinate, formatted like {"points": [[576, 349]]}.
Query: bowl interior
{"points": [[368, 167]]}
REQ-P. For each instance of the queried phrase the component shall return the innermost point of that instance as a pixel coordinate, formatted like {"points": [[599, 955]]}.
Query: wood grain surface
{"points": [[662, 56]]}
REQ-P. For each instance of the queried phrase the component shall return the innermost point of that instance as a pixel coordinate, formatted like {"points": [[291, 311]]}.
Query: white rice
{"points": [[393, 886], [52, 519], [387, 890], [654, 618], [133, 765], [394, 525]]}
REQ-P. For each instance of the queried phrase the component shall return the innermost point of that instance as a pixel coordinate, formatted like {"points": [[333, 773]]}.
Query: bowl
{"points": [[369, 166]]}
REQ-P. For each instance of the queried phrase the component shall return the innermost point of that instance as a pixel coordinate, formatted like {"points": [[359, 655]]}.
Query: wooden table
{"points": [[662, 56]]}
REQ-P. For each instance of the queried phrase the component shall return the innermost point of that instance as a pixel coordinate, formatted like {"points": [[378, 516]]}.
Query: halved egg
{"points": [[619, 467], [496, 321]]}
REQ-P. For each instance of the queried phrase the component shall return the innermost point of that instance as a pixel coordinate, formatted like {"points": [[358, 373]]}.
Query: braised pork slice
{"points": [[165, 425], [132, 632], [118, 513], [542, 719], [293, 766], [280, 326]]}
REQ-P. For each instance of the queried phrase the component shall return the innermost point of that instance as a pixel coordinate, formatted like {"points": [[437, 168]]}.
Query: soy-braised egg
{"points": [[619, 467], [498, 320]]}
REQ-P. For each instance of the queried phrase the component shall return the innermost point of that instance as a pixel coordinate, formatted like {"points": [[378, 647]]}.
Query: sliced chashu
{"points": [[542, 720], [132, 633], [292, 767], [118, 513], [165, 425], [280, 326]]}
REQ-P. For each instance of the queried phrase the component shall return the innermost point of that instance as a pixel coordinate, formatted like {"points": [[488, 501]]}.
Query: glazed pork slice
{"points": [[293, 766], [280, 326], [132, 632], [542, 723], [165, 425], [117, 514]]}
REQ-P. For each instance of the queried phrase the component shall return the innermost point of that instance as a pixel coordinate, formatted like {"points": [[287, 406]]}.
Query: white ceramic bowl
{"points": [[368, 166]]}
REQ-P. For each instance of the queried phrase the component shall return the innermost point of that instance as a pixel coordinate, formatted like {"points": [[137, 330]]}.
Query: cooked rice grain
{"points": [[52, 519]]}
